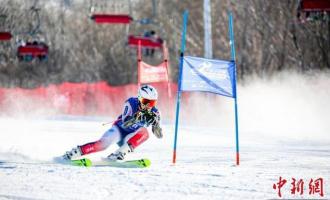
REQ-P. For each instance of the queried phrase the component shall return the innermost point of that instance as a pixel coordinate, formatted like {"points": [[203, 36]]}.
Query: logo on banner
{"points": [[207, 69], [154, 69], [149, 74]]}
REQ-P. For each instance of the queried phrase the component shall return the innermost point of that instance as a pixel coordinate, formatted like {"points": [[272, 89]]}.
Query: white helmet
{"points": [[148, 92]]}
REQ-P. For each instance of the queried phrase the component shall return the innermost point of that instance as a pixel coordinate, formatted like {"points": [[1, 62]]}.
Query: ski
{"points": [[141, 163], [81, 162]]}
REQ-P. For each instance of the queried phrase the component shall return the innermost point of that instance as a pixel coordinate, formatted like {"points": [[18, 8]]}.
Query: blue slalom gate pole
{"points": [[183, 45], [233, 58]]}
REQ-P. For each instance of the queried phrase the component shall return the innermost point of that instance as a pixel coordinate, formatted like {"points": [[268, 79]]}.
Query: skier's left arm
{"points": [[155, 124]]}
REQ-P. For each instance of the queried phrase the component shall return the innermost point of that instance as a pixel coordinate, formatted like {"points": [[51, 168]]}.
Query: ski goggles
{"points": [[148, 102]]}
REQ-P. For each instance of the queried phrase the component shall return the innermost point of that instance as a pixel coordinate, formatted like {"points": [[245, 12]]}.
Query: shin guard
{"points": [[141, 136], [92, 147]]}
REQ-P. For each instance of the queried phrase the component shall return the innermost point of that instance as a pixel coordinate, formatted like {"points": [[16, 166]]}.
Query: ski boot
{"points": [[73, 154], [120, 153]]}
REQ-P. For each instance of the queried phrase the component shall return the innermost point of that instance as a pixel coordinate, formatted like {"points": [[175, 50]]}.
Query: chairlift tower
{"points": [[207, 30]]}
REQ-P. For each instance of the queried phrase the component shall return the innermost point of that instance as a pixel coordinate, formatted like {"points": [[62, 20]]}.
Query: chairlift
{"points": [[312, 10], [32, 50], [35, 48], [149, 38], [315, 5], [111, 19], [133, 41], [5, 36], [105, 18]]}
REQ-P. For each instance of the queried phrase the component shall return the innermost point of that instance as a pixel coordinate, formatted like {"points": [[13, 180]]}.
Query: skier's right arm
{"points": [[127, 112], [128, 117]]}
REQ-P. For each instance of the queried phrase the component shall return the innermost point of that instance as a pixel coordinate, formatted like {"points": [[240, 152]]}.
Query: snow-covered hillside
{"points": [[284, 132]]}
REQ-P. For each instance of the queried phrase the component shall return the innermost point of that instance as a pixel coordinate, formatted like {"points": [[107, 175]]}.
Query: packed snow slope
{"points": [[284, 132]]}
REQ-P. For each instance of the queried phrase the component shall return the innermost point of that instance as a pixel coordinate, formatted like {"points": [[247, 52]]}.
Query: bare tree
{"points": [[269, 38]]}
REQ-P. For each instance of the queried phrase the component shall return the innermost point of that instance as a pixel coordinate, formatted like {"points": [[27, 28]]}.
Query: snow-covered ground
{"points": [[284, 132]]}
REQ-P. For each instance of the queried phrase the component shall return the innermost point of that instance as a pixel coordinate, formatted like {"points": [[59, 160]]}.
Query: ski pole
{"points": [[106, 123]]}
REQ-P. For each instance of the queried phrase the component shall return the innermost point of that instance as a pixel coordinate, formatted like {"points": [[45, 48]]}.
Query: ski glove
{"points": [[137, 117], [157, 131], [148, 117], [151, 118]]}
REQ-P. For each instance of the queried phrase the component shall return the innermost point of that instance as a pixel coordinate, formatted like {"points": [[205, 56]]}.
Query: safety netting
{"points": [[77, 98]]}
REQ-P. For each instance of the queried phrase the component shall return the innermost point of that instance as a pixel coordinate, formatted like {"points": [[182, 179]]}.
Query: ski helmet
{"points": [[148, 95]]}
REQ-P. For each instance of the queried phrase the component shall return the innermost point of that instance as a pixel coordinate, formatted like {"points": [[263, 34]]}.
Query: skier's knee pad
{"points": [[92, 147], [138, 138]]}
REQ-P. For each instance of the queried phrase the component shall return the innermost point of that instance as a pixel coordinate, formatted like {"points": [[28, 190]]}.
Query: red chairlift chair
{"points": [[133, 41], [5, 36], [315, 5], [111, 19], [32, 50], [313, 10]]}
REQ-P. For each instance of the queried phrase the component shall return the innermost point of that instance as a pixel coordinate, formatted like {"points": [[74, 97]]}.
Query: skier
{"points": [[129, 130], [151, 35]]}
